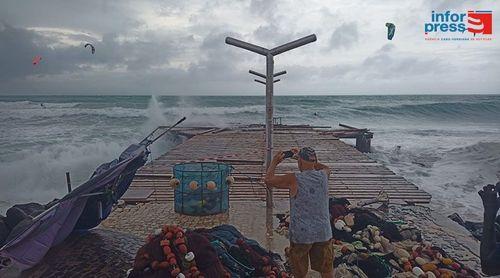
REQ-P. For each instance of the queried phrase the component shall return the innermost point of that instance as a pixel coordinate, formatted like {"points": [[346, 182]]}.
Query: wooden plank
{"points": [[354, 174], [137, 195]]}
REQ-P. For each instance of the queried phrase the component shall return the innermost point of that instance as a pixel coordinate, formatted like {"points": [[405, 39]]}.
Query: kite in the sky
{"points": [[36, 60], [391, 29], [91, 47]]}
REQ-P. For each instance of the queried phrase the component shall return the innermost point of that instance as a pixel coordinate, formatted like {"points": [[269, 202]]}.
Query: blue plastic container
{"points": [[200, 199]]}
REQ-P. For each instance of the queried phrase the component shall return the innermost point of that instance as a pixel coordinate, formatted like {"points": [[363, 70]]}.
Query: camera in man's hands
{"points": [[288, 154]]}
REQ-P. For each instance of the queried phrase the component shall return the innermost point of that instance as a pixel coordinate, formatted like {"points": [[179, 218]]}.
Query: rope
{"points": [[251, 182], [154, 172]]}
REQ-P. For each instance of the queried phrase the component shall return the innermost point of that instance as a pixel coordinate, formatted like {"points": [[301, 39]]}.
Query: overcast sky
{"points": [[177, 47]]}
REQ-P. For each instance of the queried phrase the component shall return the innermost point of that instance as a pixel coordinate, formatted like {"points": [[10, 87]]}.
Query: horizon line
{"points": [[243, 95]]}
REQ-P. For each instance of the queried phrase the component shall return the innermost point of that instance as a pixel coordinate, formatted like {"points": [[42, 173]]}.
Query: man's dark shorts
{"points": [[320, 254]]}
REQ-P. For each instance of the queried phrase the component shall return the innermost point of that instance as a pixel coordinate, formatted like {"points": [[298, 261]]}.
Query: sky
{"points": [[177, 47]]}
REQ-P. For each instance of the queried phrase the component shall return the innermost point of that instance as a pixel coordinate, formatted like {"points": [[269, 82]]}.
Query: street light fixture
{"points": [[269, 76]]}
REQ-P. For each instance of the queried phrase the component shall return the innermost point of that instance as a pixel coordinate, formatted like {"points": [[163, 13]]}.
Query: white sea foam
{"points": [[189, 109], [452, 168], [54, 111], [450, 146], [40, 176], [37, 173], [26, 104]]}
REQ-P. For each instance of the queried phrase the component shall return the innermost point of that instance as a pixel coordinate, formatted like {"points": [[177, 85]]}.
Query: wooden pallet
{"points": [[354, 175]]}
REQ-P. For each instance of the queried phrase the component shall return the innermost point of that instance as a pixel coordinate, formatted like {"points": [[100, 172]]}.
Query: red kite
{"points": [[36, 60]]}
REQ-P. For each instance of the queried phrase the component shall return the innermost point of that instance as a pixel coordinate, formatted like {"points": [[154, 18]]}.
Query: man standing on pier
{"points": [[310, 230]]}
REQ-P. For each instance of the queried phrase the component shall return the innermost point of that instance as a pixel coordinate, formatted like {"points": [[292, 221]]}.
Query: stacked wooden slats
{"points": [[355, 175]]}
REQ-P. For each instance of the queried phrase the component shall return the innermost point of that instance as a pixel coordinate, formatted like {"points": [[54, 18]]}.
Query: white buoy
{"points": [[158, 232], [339, 225], [189, 256], [174, 182], [230, 180]]}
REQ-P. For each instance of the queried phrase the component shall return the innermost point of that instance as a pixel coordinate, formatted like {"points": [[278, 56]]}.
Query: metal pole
{"points": [[280, 73], [264, 76], [257, 73], [291, 45], [270, 53], [269, 120], [263, 82], [68, 182]]}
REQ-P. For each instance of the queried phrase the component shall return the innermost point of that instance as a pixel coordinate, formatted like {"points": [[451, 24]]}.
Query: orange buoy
{"points": [[211, 185], [193, 185]]}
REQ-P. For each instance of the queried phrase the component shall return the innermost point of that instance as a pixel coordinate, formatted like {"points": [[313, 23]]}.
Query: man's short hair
{"points": [[308, 154]]}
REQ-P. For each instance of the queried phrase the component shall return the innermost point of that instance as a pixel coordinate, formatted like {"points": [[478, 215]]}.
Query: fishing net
{"points": [[202, 188]]}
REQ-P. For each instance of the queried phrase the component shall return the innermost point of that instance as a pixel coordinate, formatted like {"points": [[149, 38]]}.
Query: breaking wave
{"points": [[36, 172], [448, 145], [451, 110], [452, 175]]}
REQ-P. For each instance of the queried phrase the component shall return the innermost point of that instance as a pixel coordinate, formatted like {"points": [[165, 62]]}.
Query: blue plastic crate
{"points": [[201, 200]]}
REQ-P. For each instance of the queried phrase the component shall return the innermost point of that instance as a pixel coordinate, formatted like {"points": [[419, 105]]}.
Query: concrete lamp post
{"points": [[269, 76]]}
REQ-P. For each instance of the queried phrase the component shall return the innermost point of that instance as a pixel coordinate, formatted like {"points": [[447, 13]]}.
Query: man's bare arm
{"points": [[323, 167], [286, 181]]}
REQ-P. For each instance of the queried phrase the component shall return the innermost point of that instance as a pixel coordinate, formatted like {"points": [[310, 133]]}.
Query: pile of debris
{"points": [[221, 251], [368, 246]]}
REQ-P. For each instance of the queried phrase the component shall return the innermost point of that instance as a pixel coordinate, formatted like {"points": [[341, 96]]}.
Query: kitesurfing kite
{"points": [[36, 60], [91, 47], [391, 29]]}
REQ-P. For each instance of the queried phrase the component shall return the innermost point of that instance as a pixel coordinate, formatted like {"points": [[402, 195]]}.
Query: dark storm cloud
{"points": [[387, 63], [344, 36], [91, 15], [219, 60], [264, 8], [445, 5], [271, 32], [271, 35], [218, 65], [167, 46], [21, 45], [18, 47]]}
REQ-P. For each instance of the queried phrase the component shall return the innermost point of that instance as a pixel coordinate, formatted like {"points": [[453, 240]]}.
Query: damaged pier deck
{"points": [[354, 175]]}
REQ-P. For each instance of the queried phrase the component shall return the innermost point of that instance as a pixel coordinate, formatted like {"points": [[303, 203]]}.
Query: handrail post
{"points": [[68, 182]]}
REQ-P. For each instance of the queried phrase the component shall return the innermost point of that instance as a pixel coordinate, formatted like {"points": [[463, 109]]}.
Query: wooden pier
{"points": [[355, 175]]}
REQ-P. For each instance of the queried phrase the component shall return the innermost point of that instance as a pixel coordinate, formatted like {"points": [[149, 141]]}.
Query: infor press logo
{"points": [[459, 26], [480, 22]]}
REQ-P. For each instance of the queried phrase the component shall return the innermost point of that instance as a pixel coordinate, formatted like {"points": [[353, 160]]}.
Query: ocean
{"points": [[449, 144]]}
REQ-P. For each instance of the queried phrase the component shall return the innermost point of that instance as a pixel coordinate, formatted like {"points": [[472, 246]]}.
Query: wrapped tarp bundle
{"points": [[81, 209]]}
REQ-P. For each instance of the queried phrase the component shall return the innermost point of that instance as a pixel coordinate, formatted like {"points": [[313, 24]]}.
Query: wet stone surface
{"points": [[256, 222], [441, 232], [97, 253], [250, 218], [109, 250]]}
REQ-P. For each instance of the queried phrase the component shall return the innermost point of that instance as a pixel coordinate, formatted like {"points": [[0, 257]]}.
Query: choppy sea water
{"points": [[449, 145]]}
